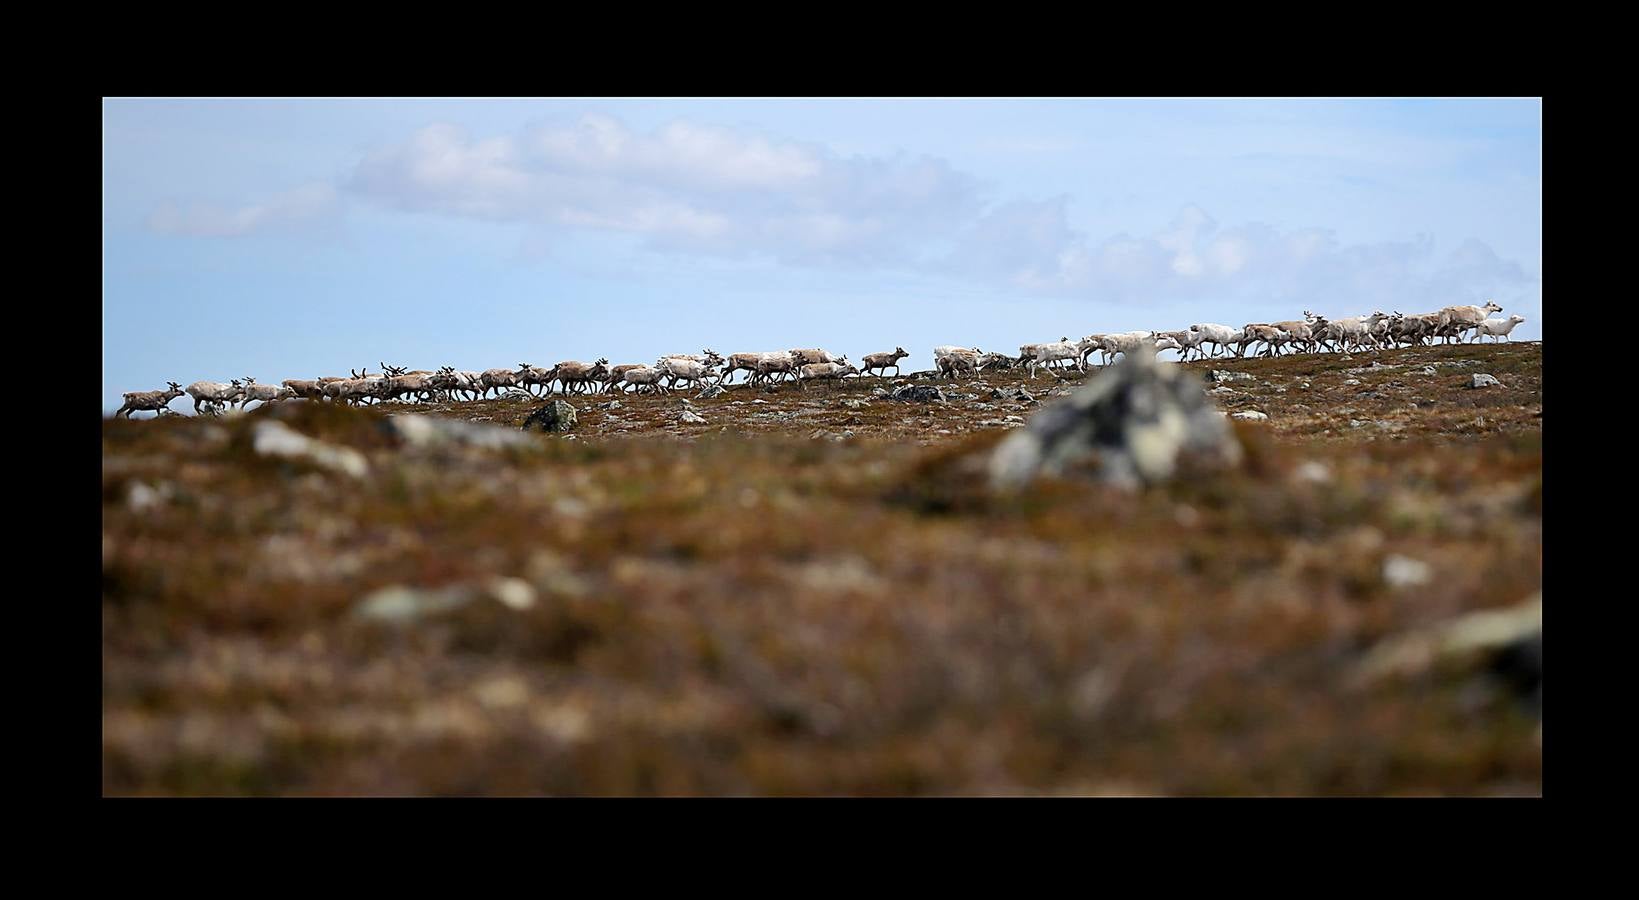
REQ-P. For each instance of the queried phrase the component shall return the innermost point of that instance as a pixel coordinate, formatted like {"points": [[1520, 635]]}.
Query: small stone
{"points": [[1313, 472], [278, 439], [1480, 381], [690, 417], [425, 431], [1251, 415], [515, 593], [142, 498], [1403, 572], [401, 605], [918, 393]]}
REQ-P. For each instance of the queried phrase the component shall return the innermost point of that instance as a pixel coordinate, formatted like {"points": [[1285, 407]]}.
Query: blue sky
{"points": [[298, 238]]}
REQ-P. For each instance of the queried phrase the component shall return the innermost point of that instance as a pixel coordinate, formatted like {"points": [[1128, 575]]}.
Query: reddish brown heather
{"points": [[735, 608]]}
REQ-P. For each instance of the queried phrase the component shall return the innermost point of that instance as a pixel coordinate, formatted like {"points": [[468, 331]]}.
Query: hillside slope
{"points": [[805, 596]]}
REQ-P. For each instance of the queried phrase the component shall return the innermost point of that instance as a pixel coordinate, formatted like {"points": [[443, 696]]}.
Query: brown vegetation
{"points": [[763, 605]]}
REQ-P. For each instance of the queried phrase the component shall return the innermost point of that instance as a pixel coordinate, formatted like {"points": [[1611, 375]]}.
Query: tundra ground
{"points": [[764, 604]]}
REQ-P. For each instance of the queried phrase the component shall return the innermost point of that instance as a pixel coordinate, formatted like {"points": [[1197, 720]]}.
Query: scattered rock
{"points": [[426, 431], [1220, 375], [853, 404], [1511, 637], [710, 392], [689, 416], [277, 439], [1352, 381], [918, 393], [612, 404], [1428, 370], [402, 605], [1314, 472], [1251, 415], [1480, 381], [142, 498], [1138, 417], [555, 416], [1403, 572]]}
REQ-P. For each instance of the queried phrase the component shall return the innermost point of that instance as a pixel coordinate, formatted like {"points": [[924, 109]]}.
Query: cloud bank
{"points": [[712, 191], [685, 187], [304, 205]]}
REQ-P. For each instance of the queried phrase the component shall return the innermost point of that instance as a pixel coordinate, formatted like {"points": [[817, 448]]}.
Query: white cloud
{"points": [[306, 204], [729, 194], [1031, 245], [683, 187]]}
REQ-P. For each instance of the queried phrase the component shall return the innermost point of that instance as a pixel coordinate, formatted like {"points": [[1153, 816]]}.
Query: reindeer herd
{"points": [[1312, 334]]}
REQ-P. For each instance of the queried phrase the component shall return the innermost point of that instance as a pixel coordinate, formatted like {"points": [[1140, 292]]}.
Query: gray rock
{"points": [[1251, 415], [689, 416], [918, 393], [612, 404], [1137, 416], [555, 416], [1219, 375], [879, 392], [1508, 639], [1313, 472], [427, 431], [1404, 572], [853, 404], [1480, 381], [1428, 370], [401, 605], [1016, 394], [1351, 381], [711, 391], [277, 439], [142, 498]]}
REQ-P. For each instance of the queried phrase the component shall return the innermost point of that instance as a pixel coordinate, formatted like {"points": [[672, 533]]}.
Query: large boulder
{"points": [[555, 416], [1137, 417], [918, 393]]}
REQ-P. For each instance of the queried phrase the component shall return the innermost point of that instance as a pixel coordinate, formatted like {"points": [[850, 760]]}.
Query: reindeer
{"points": [[149, 400]]}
